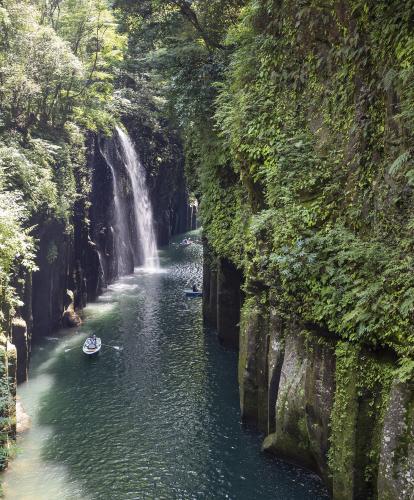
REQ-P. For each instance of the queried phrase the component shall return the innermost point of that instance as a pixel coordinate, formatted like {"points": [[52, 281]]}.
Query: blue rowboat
{"points": [[190, 293]]}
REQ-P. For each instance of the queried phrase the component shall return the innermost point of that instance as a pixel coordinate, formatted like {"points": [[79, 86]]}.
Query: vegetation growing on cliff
{"points": [[296, 121], [58, 64], [297, 124]]}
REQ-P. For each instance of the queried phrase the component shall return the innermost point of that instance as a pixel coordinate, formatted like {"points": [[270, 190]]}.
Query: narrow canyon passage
{"points": [[159, 419]]}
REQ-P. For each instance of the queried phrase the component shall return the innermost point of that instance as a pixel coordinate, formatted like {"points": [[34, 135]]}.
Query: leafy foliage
{"points": [[58, 65], [310, 112], [57, 62]]}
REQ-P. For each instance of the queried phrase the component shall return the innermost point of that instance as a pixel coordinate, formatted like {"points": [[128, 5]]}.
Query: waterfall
{"points": [[122, 240], [147, 247], [134, 238]]}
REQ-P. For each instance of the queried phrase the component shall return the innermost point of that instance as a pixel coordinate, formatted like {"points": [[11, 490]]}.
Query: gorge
{"points": [[284, 128], [158, 419]]}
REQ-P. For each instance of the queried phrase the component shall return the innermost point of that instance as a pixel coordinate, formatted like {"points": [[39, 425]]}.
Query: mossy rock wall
{"points": [[8, 382], [396, 476], [310, 192], [253, 364], [222, 297], [304, 402], [328, 405]]}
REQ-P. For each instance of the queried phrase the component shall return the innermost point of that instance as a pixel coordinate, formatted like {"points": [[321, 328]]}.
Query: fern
{"points": [[399, 163]]}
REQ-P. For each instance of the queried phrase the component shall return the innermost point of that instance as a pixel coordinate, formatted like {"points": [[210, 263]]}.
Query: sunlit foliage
{"points": [[59, 61], [296, 119]]}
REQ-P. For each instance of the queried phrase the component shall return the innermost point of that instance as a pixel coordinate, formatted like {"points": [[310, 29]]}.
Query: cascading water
{"points": [[142, 206], [122, 240]]}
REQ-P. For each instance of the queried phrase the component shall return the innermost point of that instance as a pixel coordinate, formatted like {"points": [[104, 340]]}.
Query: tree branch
{"points": [[190, 15]]}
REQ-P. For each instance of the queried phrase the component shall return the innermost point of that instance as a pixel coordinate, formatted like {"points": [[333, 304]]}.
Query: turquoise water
{"points": [[158, 419]]}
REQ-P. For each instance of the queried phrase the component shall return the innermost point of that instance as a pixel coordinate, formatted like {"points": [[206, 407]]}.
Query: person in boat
{"points": [[195, 289]]}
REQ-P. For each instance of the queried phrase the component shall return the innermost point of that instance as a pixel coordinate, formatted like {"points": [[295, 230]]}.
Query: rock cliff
{"points": [[330, 406], [76, 261]]}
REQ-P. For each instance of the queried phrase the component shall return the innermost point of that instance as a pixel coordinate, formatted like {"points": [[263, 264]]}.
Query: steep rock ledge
{"points": [[396, 477], [222, 296], [75, 261], [325, 404], [75, 267]]}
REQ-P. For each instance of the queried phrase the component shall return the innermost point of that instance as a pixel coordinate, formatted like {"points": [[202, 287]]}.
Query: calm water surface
{"points": [[158, 420]]}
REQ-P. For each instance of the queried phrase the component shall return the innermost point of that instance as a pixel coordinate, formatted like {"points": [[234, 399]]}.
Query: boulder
{"points": [[70, 317]]}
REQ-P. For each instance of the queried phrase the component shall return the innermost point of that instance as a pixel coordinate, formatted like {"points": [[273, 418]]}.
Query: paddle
{"points": [[116, 347], [67, 350]]}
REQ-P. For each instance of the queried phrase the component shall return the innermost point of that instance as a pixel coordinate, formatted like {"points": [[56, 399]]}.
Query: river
{"points": [[158, 419]]}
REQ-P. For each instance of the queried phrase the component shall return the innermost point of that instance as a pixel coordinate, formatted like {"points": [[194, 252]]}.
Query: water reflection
{"points": [[159, 419]]}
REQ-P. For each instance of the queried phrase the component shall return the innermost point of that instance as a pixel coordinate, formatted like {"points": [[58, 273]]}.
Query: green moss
{"points": [[363, 385], [253, 359], [343, 421], [400, 462], [248, 401], [294, 189]]}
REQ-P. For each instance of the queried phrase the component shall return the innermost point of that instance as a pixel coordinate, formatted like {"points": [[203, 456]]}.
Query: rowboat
{"points": [[92, 346], [185, 243], [191, 293]]}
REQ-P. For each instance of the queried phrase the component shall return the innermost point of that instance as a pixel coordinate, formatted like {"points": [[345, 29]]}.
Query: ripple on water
{"points": [[159, 420]]}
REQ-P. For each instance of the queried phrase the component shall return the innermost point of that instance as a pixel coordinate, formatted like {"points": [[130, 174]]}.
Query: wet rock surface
{"points": [[20, 338], [222, 297], [304, 403], [322, 404], [396, 469]]}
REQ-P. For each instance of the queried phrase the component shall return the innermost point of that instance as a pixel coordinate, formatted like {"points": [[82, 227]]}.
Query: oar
{"points": [[70, 348], [116, 347]]}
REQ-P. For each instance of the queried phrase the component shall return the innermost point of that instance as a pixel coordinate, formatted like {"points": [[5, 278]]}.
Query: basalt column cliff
{"points": [[76, 259], [308, 229]]}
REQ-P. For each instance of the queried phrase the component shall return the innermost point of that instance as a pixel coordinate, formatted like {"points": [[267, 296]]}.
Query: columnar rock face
{"points": [[325, 404], [253, 368], [170, 202], [82, 263], [228, 302], [222, 297], [76, 259], [160, 150], [65, 262], [396, 477], [304, 401], [102, 214], [209, 286], [8, 384], [74, 267], [21, 340]]}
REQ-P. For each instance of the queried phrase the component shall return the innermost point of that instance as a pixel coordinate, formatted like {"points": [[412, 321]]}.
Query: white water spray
{"points": [[122, 238], [142, 205]]}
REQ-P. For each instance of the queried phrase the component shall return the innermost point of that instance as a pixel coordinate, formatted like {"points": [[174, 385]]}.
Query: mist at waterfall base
{"points": [[158, 420], [134, 233]]}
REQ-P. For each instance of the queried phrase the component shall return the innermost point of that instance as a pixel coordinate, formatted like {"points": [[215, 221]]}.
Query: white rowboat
{"points": [[92, 346]]}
